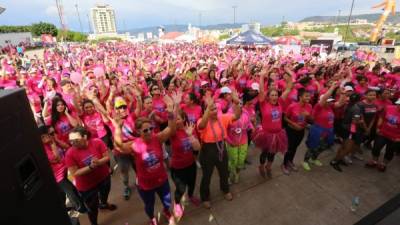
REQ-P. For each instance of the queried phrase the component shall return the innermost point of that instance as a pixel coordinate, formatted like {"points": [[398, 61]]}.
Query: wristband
{"points": [[171, 116]]}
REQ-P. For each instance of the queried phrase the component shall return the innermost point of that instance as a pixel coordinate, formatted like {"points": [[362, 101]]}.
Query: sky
{"points": [[142, 13]]}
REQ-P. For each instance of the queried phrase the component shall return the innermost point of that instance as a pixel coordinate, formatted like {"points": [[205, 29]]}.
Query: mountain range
{"points": [[371, 18], [181, 28]]}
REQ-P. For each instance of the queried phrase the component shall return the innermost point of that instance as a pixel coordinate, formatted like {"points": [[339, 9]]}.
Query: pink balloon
{"points": [[98, 72], [76, 77]]}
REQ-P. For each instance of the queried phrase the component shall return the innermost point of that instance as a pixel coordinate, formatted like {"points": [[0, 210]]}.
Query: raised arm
{"points": [[172, 107]]}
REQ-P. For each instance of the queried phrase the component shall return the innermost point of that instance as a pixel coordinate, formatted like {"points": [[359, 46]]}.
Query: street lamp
{"points": [[348, 24]]}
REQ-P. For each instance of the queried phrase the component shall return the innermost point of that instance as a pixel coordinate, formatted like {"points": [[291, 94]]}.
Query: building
{"points": [[15, 39], [103, 19]]}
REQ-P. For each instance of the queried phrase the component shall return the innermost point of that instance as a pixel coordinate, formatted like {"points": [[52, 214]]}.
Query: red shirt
{"points": [[323, 116], [150, 170], [82, 158], [182, 151], [295, 113], [390, 127], [193, 113], [59, 169], [271, 117]]}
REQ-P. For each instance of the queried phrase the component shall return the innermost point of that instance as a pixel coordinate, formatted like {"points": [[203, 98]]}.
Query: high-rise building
{"points": [[103, 19]]}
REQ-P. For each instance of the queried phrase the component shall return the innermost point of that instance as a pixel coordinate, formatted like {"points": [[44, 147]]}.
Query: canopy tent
{"points": [[250, 38], [288, 40]]}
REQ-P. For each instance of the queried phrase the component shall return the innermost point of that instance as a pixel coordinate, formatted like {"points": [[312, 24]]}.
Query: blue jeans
{"points": [[148, 197]]}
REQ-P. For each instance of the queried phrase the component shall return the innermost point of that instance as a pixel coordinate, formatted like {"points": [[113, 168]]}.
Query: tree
{"points": [[44, 28]]}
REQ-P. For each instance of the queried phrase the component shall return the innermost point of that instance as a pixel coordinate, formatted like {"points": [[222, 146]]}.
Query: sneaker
{"points": [[169, 217], [178, 211], [195, 201], [335, 165], [316, 162], [358, 157], [228, 196], [306, 166], [261, 169], [207, 204], [153, 221], [381, 167], [127, 193], [348, 160], [285, 170], [293, 167], [371, 164]]}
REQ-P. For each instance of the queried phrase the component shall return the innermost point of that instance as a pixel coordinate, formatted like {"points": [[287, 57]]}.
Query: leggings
{"points": [[294, 138], [236, 157], [391, 147], [148, 197], [209, 158], [183, 178], [125, 162], [266, 155], [92, 197], [69, 189]]}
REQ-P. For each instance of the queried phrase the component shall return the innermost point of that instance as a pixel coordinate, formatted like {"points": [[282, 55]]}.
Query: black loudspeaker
{"points": [[29, 194]]}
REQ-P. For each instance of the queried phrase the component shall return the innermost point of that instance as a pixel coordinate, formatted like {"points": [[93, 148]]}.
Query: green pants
{"points": [[236, 157]]}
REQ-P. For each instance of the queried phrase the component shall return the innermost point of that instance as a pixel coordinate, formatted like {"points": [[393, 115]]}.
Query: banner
{"points": [[47, 39], [322, 45]]}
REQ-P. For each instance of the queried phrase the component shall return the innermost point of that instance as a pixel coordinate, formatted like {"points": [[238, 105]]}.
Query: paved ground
{"points": [[322, 196]]}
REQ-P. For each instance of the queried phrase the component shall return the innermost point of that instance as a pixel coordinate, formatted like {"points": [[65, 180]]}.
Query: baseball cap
{"points": [[255, 86], [226, 90], [348, 88], [119, 102], [330, 100], [397, 102]]}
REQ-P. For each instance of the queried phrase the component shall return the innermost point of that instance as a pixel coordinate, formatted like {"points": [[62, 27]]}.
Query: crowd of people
{"points": [[159, 109]]}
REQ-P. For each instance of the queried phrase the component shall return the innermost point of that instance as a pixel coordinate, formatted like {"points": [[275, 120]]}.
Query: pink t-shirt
{"points": [[59, 169], [182, 151], [271, 117], [193, 113], [237, 130], [323, 116], [95, 124], [160, 106], [390, 127], [296, 111], [150, 170], [62, 128], [82, 158]]}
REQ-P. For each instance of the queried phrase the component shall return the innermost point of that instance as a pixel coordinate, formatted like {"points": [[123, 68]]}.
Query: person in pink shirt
{"points": [[388, 134], [321, 134], [237, 145], [191, 108], [87, 161], [55, 155], [297, 117], [151, 174], [184, 144], [272, 139], [61, 119]]}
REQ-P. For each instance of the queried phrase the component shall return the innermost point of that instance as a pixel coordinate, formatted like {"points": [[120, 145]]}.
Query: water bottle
{"points": [[355, 203]]}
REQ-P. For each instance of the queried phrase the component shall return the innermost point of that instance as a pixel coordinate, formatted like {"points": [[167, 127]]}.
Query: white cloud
{"points": [[51, 10]]}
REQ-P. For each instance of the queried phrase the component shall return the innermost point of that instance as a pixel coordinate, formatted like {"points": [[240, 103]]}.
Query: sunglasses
{"points": [[51, 133], [74, 141], [147, 130]]}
